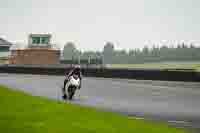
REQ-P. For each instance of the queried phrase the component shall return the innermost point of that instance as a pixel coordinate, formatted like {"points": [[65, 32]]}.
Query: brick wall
{"points": [[35, 56]]}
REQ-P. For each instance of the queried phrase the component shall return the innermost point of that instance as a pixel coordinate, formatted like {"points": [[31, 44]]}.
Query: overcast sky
{"points": [[90, 23]]}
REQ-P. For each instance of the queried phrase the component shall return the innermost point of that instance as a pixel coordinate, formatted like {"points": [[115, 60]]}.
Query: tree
{"points": [[70, 52], [108, 53], [145, 51]]}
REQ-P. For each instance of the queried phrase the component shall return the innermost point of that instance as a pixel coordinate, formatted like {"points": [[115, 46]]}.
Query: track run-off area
{"points": [[177, 103]]}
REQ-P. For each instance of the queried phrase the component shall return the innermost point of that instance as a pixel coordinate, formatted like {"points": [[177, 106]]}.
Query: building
{"points": [[4, 50], [38, 52]]}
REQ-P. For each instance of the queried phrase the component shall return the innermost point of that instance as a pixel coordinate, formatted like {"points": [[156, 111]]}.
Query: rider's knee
{"points": [[65, 81]]}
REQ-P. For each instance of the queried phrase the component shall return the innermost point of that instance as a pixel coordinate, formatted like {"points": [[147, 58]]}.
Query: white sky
{"points": [[90, 23]]}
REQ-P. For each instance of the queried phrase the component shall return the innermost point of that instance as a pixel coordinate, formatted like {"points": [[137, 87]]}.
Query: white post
{"points": [[79, 60], [89, 60]]}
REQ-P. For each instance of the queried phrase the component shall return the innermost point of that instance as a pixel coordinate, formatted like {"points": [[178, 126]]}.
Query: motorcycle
{"points": [[71, 86]]}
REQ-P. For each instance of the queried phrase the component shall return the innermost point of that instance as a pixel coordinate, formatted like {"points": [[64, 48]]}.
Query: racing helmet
{"points": [[77, 67]]}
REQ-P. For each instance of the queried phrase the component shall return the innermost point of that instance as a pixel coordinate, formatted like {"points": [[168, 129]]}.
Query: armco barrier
{"points": [[108, 73], [144, 74]]}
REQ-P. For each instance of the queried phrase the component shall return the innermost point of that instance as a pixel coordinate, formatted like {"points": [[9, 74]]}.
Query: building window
{"points": [[45, 40], [36, 40], [4, 49], [39, 40]]}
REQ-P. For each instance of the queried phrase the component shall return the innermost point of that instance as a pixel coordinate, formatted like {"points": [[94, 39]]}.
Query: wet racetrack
{"points": [[175, 102]]}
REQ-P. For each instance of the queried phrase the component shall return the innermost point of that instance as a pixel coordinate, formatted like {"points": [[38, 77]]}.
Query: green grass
{"points": [[22, 113], [194, 66]]}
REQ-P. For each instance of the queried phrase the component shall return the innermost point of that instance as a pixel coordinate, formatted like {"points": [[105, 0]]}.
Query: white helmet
{"points": [[77, 67]]}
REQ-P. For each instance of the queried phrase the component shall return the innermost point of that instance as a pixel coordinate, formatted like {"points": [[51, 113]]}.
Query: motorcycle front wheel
{"points": [[71, 92]]}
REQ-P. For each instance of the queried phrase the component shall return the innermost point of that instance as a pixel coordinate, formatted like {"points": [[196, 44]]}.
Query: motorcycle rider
{"points": [[75, 70]]}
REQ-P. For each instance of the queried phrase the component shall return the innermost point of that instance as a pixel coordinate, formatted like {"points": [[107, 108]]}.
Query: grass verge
{"points": [[22, 113]]}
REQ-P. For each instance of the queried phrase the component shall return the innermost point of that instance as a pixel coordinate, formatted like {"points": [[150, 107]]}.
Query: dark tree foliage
{"points": [[180, 52], [70, 51]]}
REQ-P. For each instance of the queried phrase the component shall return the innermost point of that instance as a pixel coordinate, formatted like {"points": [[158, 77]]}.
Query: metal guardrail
{"points": [[97, 71], [53, 66]]}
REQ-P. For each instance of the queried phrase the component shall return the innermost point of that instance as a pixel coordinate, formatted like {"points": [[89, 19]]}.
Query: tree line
{"points": [[109, 55]]}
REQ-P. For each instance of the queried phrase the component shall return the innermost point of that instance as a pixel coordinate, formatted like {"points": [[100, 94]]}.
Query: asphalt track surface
{"points": [[177, 103]]}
